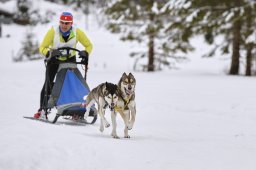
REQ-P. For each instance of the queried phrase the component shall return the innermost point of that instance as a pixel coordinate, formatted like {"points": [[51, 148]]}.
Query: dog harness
{"points": [[125, 107]]}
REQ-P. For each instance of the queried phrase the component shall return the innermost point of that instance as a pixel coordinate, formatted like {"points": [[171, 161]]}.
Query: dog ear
{"points": [[130, 75], [124, 74], [106, 84], [104, 87]]}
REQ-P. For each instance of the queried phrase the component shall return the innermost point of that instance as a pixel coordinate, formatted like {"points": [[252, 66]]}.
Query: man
{"points": [[64, 35]]}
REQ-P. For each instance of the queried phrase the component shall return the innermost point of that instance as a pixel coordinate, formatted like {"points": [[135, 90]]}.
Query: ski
{"points": [[83, 121], [40, 120], [77, 122]]}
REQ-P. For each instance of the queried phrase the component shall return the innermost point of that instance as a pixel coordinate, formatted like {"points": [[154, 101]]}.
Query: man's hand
{"points": [[55, 53], [84, 56]]}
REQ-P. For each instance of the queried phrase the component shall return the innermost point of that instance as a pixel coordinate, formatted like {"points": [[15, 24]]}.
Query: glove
{"points": [[55, 53], [84, 55]]}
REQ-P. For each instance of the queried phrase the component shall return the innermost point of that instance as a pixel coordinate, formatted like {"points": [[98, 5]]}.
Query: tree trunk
{"points": [[151, 52], [249, 46], [65, 1], [78, 4], [0, 30], [234, 69], [249, 60]]}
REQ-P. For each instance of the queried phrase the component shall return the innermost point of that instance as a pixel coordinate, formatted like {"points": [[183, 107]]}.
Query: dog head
{"points": [[110, 95], [127, 84]]}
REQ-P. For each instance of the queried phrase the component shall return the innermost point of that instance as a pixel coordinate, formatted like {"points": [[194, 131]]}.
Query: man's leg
{"points": [[52, 70]]}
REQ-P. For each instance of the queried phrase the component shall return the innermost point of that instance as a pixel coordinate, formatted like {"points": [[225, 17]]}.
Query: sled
{"points": [[69, 90]]}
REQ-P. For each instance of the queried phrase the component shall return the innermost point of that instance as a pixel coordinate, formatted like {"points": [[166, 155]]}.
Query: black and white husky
{"points": [[126, 105], [105, 95]]}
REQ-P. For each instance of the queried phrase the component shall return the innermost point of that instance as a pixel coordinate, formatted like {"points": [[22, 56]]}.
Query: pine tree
{"points": [[145, 21], [29, 49], [22, 16], [231, 19]]}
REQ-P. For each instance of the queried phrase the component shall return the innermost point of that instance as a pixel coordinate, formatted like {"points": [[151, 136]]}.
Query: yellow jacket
{"points": [[49, 40]]}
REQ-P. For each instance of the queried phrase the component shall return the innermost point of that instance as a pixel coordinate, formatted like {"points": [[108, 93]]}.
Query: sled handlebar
{"points": [[68, 49], [61, 54]]}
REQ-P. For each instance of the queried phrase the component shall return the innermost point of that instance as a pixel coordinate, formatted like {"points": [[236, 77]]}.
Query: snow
{"points": [[192, 15], [155, 8], [251, 38], [192, 118], [228, 16], [9, 6]]}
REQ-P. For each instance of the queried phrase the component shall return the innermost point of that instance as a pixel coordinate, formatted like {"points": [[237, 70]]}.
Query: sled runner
{"points": [[68, 91]]}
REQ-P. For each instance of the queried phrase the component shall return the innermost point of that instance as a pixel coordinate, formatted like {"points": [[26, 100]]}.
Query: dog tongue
{"points": [[129, 92]]}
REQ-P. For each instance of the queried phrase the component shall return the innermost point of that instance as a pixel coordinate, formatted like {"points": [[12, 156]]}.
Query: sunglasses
{"points": [[65, 23]]}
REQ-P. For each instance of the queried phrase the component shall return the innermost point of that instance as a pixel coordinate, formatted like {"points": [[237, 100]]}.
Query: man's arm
{"points": [[84, 40], [47, 42]]}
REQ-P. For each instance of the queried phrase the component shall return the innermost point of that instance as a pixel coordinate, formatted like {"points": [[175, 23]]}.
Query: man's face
{"points": [[65, 26]]}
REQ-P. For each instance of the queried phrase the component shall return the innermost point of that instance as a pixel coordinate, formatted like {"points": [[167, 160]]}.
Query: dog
{"points": [[105, 95], [126, 105]]}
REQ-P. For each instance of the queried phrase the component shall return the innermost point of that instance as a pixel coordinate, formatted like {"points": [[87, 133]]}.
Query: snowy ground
{"points": [[195, 118]]}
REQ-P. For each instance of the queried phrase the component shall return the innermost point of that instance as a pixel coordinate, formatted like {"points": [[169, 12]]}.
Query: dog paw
{"points": [[127, 136], [114, 135], [101, 129], [129, 127], [107, 125]]}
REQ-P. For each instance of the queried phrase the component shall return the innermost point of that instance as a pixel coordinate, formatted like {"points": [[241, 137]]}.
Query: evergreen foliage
{"points": [[166, 28], [29, 49], [231, 19], [145, 22]]}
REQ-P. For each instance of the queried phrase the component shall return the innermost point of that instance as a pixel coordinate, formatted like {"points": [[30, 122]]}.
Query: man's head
{"points": [[66, 21]]}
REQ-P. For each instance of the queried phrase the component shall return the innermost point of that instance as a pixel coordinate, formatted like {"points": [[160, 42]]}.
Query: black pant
{"points": [[52, 68]]}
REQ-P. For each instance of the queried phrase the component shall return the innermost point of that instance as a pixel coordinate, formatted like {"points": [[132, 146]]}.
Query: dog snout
{"points": [[129, 87], [111, 108]]}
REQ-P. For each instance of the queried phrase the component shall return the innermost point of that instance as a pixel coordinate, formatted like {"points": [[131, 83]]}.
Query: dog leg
{"points": [[102, 112], [132, 108], [113, 118], [101, 125], [126, 133], [106, 124], [101, 120], [122, 114], [88, 107], [102, 117], [126, 117]]}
